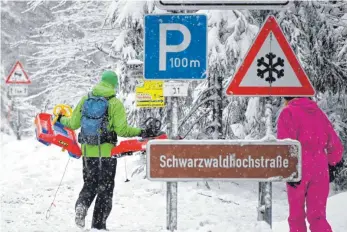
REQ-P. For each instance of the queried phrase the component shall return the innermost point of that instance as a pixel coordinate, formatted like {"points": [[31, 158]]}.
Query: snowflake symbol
{"points": [[270, 67]]}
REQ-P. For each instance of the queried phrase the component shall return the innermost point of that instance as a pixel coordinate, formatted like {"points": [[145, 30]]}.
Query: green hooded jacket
{"points": [[117, 120]]}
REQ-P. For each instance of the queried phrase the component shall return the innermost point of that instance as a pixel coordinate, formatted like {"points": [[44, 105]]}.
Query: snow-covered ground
{"points": [[31, 173], [336, 214]]}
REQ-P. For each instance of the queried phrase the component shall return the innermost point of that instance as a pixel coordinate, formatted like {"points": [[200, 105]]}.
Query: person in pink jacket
{"points": [[304, 121]]}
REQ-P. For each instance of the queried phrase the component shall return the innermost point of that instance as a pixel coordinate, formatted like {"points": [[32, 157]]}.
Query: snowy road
{"points": [[31, 173]]}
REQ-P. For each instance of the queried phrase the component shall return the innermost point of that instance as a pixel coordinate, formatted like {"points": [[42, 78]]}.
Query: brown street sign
{"points": [[192, 160]]}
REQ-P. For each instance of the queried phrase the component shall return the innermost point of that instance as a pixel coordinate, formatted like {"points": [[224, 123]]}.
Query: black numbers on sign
{"points": [[176, 90]]}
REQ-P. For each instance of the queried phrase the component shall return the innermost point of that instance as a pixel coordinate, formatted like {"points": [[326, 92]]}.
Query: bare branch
{"points": [[192, 111], [101, 49]]}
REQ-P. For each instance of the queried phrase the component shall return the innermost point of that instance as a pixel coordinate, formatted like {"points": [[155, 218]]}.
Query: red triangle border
{"points": [[8, 81], [234, 87]]}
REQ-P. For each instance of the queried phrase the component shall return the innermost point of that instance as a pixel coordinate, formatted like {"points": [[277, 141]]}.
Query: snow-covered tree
{"points": [[317, 32], [77, 42], [230, 35], [335, 106], [5, 106], [17, 114], [70, 56], [128, 45]]}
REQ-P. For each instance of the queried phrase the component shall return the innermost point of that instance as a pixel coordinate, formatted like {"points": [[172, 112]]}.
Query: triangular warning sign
{"points": [[270, 67], [18, 75]]}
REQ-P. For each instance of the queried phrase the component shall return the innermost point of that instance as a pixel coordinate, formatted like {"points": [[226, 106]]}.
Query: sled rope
{"points": [[48, 213]]}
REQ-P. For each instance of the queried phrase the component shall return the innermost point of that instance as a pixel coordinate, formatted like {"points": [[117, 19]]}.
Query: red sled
{"points": [[56, 134], [128, 147]]}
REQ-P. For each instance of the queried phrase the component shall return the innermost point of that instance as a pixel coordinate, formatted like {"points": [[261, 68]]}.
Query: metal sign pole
{"points": [[265, 188], [184, 64], [171, 196], [171, 206], [168, 184], [18, 125], [17, 120]]}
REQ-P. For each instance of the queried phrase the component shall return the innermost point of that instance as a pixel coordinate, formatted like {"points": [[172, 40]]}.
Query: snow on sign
{"points": [[220, 4], [175, 47], [192, 160], [270, 67], [18, 75]]}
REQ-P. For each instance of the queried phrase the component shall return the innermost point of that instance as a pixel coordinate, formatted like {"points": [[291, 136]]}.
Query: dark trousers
{"points": [[100, 185]]}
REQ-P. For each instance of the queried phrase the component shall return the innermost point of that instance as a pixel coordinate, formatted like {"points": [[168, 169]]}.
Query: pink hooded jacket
{"points": [[302, 120]]}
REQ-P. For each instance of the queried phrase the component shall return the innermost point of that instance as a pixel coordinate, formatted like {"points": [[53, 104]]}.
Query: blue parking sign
{"points": [[175, 47]]}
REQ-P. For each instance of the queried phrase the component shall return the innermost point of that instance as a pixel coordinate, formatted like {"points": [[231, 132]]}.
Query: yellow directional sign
{"points": [[150, 94]]}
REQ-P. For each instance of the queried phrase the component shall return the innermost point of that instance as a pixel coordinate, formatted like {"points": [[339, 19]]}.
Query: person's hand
{"points": [[334, 170], [145, 133], [294, 184]]}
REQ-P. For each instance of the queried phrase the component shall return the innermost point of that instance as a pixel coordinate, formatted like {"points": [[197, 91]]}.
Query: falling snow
{"points": [[65, 45]]}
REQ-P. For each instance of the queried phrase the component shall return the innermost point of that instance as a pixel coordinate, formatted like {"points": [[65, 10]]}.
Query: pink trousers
{"points": [[314, 189]]}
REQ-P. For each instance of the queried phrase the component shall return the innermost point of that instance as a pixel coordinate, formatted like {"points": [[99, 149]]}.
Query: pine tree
{"points": [[6, 106], [316, 34], [229, 38], [317, 31], [128, 45], [14, 15]]}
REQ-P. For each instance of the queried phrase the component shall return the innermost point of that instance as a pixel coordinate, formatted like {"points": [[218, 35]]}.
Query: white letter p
{"points": [[164, 48]]}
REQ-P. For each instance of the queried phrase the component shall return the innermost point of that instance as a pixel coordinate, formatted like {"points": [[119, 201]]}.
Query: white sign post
{"points": [[176, 89], [135, 68], [18, 90]]}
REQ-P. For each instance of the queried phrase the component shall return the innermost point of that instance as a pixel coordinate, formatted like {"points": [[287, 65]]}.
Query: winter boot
{"points": [[81, 213]]}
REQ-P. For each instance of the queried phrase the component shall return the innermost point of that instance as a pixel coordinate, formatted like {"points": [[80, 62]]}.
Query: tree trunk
{"points": [[218, 107]]}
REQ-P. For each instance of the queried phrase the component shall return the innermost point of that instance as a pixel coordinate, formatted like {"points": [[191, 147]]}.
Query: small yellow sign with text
{"points": [[150, 94]]}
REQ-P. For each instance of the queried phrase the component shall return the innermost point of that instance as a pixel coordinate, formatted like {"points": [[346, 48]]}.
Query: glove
{"points": [[294, 184], [145, 133], [334, 170]]}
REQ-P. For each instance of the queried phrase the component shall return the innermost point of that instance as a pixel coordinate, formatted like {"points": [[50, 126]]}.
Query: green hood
{"points": [[103, 89]]}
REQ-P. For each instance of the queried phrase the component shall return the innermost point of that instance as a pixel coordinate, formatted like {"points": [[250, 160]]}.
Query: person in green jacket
{"points": [[99, 169]]}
